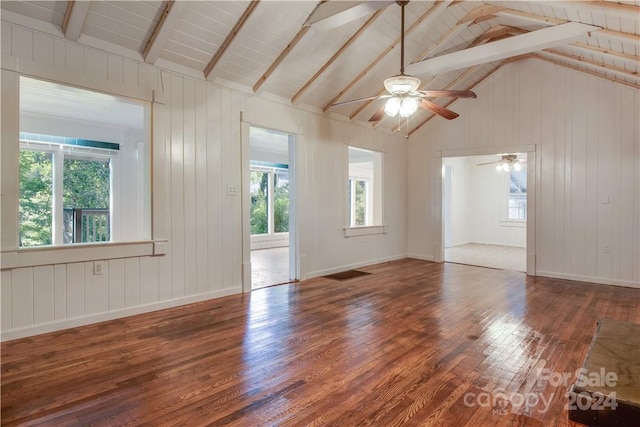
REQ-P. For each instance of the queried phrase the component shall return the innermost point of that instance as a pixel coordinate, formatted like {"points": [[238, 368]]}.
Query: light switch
{"points": [[232, 190]]}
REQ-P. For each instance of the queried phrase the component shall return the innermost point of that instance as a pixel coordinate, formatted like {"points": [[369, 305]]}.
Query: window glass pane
{"points": [[360, 203], [36, 197], [259, 202], [281, 201], [518, 194], [86, 192]]}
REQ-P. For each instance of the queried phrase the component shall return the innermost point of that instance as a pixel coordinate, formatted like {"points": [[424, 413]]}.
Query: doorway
{"points": [[484, 210], [272, 207]]}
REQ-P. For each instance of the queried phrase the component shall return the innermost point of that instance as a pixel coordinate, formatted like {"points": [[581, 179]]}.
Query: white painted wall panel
{"points": [[116, 284], [22, 297], [75, 289], [6, 302], [60, 291], [587, 142], [148, 280], [43, 303], [131, 282]]}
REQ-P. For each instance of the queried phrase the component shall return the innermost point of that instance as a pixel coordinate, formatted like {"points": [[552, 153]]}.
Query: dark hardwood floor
{"points": [[414, 343]]}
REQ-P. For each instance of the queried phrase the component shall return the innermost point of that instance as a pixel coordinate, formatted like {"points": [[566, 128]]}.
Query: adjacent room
{"points": [[328, 213]]}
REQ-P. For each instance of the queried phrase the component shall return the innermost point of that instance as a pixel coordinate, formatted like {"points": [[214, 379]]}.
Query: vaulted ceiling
{"points": [[264, 47]]}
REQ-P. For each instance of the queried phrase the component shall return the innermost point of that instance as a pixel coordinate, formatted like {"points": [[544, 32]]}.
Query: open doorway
{"points": [[272, 207], [484, 208]]}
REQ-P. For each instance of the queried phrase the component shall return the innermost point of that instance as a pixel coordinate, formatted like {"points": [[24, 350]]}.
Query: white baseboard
{"points": [[346, 267], [422, 257], [58, 325], [589, 279]]}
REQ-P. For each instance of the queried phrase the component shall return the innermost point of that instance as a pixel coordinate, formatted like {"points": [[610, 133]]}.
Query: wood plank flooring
{"points": [[413, 343]]}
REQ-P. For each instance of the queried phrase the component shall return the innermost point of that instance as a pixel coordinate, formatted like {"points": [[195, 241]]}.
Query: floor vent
{"points": [[344, 275]]}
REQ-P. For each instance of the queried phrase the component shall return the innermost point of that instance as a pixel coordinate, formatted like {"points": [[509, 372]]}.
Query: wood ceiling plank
{"points": [[296, 39], [607, 52], [232, 34], [335, 56]]}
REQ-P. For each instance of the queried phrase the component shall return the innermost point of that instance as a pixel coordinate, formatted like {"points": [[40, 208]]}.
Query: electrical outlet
{"points": [[607, 249], [232, 190], [98, 268]]}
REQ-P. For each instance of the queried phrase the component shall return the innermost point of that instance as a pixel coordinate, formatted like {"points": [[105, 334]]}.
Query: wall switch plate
{"points": [[607, 249], [98, 268], [232, 190]]}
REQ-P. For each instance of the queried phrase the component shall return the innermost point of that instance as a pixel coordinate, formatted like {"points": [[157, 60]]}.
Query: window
{"points": [[72, 208], [269, 198], [517, 205], [84, 166], [364, 192]]}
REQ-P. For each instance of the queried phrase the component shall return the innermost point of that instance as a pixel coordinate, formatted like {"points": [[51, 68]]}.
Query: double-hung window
{"points": [[364, 191]]}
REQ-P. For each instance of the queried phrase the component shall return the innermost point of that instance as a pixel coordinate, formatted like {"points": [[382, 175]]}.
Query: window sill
{"points": [[80, 252], [365, 230], [514, 223]]}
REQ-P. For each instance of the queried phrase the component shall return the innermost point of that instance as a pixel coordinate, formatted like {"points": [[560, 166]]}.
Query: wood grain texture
{"points": [[405, 345]]}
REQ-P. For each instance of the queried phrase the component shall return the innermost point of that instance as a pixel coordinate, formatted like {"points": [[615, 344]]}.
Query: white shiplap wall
{"points": [[197, 147], [586, 135]]}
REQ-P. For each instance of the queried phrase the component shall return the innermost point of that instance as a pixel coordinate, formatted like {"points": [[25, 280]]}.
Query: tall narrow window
{"points": [[364, 191], [517, 208]]}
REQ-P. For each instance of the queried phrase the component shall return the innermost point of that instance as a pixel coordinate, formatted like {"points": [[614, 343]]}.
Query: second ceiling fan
{"points": [[403, 97]]}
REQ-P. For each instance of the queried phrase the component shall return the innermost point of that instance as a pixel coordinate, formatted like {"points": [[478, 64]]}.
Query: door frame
{"points": [[532, 165], [294, 245]]}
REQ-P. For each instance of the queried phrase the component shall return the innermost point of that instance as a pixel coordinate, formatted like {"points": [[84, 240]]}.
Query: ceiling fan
{"points": [[507, 163], [403, 97]]}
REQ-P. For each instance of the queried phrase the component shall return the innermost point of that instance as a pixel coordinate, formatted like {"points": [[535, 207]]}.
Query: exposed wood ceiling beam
{"points": [[517, 45], [607, 8], [497, 32], [170, 15], [335, 56], [583, 70], [74, 17], [480, 12], [591, 64], [280, 58], [618, 35], [530, 17], [607, 52], [227, 41], [429, 14], [331, 14]]}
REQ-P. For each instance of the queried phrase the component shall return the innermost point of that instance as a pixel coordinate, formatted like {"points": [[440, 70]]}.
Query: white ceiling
{"points": [[263, 47]]}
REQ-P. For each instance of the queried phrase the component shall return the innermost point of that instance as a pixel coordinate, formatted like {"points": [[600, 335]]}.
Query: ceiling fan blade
{"points": [[353, 101], [488, 163], [378, 115], [437, 109], [332, 14], [454, 93]]}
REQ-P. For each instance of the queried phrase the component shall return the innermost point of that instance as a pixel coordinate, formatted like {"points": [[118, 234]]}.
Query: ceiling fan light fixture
{"points": [[408, 106], [516, 166], [392, 107], [401, 84]]}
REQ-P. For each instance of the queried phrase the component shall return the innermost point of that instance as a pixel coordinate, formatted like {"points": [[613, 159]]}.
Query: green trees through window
{"points": [[264, 206], [86, 184]]}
